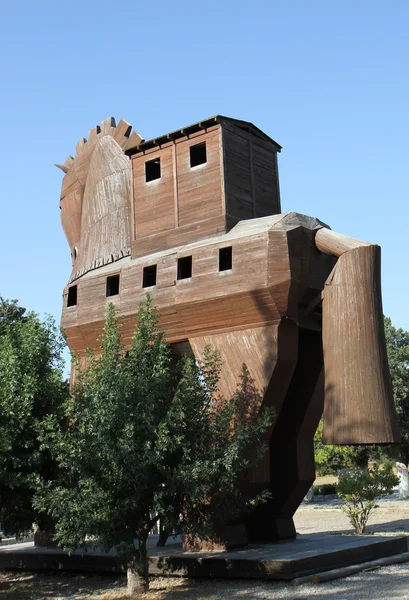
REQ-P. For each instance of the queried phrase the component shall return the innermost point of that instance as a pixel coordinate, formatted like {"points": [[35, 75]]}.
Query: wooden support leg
{"points": [[270, 354], [359, 407], [292, 469]]}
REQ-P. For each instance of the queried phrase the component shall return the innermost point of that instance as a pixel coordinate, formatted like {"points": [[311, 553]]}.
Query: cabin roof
{"points": [[200, 125]]}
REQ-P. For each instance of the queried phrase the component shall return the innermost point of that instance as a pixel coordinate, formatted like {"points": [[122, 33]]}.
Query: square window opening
{"points": [[152, 170], [185, 267], [112, 285], [198, 155], [72, 296], [225, 259], [149, 276]]}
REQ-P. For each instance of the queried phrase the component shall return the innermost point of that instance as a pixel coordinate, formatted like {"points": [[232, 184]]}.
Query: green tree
{"points": [[31, 387], [329, 459], [359, 489], [144, 441], [10, 312], [397, 343]]}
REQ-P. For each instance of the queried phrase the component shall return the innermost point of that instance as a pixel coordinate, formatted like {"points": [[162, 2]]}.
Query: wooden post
{"points": [[359, 406]]}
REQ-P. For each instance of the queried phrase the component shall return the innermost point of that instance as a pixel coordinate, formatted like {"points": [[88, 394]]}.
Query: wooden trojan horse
{"points": [[194, 218]]}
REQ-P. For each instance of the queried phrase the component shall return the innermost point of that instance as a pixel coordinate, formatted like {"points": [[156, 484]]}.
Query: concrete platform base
{"points": [[306, 555]]}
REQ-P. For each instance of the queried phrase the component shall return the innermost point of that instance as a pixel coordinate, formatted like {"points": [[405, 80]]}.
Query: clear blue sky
{"points": [[327, 80]]}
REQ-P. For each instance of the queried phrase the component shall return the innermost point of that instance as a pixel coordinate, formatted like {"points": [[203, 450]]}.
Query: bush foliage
{"points": [[359, 489], [330, 459]]}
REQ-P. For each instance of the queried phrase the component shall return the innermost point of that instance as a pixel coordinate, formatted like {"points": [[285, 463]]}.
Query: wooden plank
{"points": [[175, 185], [183, 234]]}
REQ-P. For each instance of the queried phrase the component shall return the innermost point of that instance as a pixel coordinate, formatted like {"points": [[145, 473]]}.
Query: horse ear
{"points": [[67, 165], [62, 167]]}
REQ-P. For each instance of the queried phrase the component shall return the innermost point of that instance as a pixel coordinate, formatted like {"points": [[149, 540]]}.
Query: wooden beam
{"points": [[330, 242]]}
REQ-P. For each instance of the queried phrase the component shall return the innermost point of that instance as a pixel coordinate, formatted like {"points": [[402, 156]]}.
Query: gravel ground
{"points": [[391, 516], [384, 583]]}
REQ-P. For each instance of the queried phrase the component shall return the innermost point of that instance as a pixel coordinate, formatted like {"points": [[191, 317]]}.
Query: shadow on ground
{"points": [[67, 586]]}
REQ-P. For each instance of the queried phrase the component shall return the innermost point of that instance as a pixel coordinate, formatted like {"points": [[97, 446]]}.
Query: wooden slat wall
{"points": [[185, 204], [189, 307], [251, 177], [154, 201], [181, 322], [238, 177], [178, 236], [278, 278], [199, 188], [267, 282], [208, 282], [265, 180]]}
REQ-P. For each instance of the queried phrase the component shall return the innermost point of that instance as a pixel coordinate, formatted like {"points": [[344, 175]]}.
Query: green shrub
{"points": [[330, 459], [359, 489]]}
